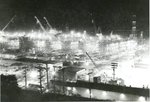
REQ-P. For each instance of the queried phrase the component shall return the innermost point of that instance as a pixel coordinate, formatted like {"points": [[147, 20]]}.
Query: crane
{"points": [[42, 27], [57, 34], [47, 22], [38, 22], [9, 22], [96, 65], [91, 59]]}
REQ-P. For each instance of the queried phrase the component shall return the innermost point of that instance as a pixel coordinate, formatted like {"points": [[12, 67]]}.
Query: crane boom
{"points": [[91, 59], [9, 22], [38, 21], [47, 22]]}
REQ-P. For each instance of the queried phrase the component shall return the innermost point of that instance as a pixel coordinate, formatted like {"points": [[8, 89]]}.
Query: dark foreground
{"points": [[10, 92]]}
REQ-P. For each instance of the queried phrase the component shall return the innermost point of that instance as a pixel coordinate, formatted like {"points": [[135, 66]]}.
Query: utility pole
{"points": [[47, 76], [25, 75], [90, 85], [114, 66], [40, 77], [63, 80], [93, 22], [54, 81], [134, 31]]}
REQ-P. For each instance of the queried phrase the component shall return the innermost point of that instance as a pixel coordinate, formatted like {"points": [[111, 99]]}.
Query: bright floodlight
{"points": [[122, 95], [74, 89], [68, 88], [104, 93]]}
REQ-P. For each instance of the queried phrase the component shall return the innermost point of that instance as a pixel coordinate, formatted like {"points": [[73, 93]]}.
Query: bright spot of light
{"points": [[87, 77], [74, 89], [3, 39], [104, 93], [68, 88], [72, 32], [122, 95], [33, 74], [53, 72], [46, 90], [87, 63], [87, 91], [50, 66], [141, 98], [90, 38], [91, 94], [78, 34]]}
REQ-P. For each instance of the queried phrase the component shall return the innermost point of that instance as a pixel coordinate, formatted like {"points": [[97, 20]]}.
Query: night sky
{"points": [[77, 14]]}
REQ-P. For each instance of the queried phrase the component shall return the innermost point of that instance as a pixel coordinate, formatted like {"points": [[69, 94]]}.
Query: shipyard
{"points": [[71, 64]]}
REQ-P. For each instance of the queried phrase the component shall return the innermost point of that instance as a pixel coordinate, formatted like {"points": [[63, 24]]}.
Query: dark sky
{"points": [[77, 14]]}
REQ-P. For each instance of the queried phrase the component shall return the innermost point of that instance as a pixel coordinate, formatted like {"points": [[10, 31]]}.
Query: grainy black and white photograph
{"points": [[74, 50]]}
